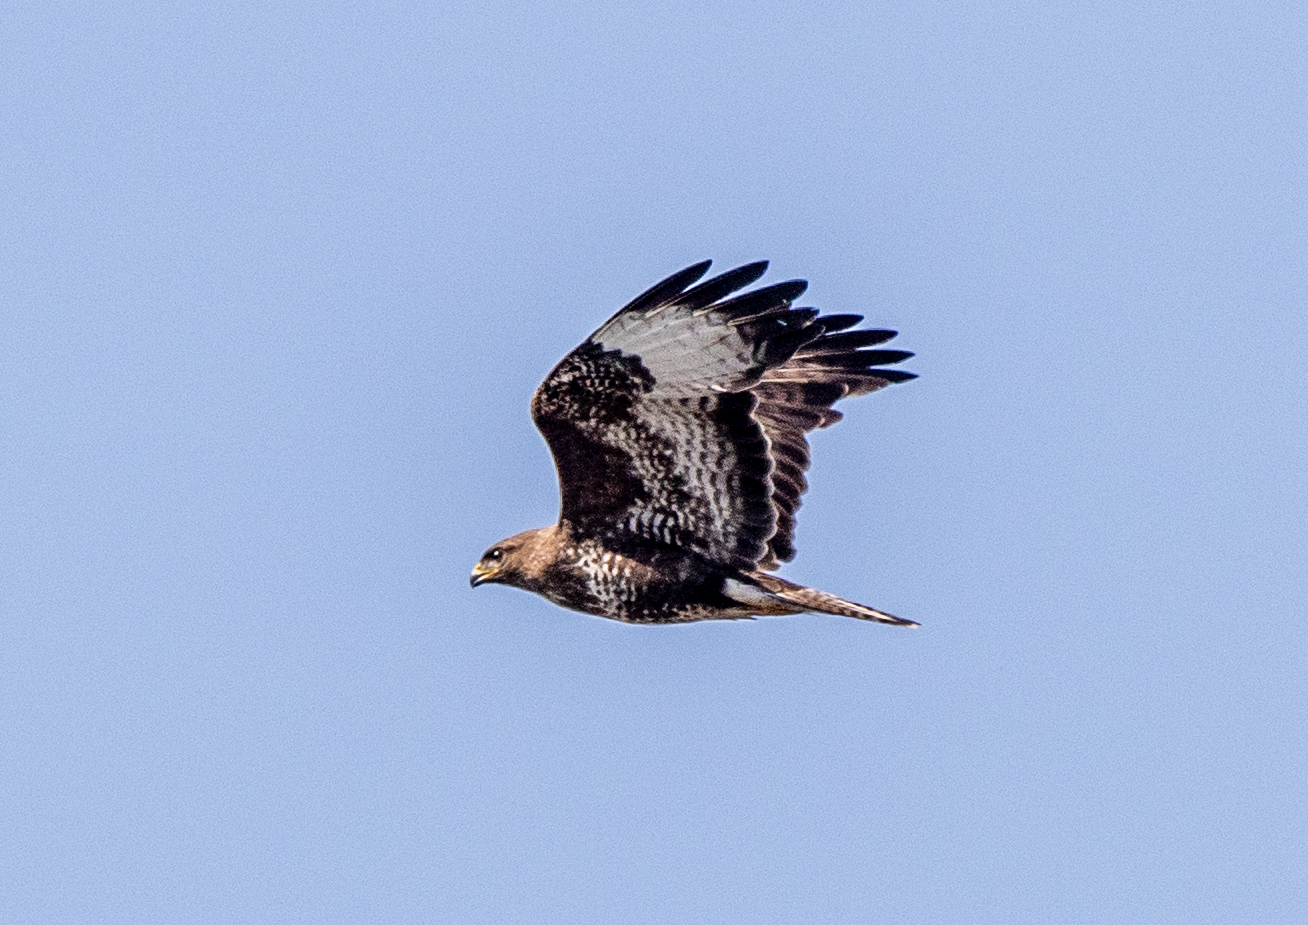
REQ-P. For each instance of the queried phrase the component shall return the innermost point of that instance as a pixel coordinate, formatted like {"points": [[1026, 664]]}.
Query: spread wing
{"points": [[682, 420], [796, 397]]}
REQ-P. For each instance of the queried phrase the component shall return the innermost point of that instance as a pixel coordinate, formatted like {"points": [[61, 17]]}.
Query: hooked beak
{"points": [[481, 575]]}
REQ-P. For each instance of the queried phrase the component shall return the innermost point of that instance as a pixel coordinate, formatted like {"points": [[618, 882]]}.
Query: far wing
{"points": [[797, 396]]}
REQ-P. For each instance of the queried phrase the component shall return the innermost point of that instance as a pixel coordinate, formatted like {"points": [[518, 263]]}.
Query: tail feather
{"points": [[810, 599]]}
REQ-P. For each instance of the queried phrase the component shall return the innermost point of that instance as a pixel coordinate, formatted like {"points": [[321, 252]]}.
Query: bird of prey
{"points": [[678, 432]]}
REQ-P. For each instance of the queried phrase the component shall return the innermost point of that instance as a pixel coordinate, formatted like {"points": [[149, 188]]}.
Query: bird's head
{"points": [[510, 561]]}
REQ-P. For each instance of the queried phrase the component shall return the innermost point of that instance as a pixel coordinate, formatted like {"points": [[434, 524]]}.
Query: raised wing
{"points": [[797, 396], [682, 419]]}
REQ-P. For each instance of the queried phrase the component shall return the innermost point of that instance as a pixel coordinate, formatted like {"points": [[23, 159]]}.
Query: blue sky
{"points": [[277, 284]]}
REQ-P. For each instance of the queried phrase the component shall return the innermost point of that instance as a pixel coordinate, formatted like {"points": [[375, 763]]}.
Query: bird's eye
{"points": [[495, 554]]}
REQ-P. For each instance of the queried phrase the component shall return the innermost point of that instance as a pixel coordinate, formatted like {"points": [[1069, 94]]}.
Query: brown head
{"points": [[519, 560]]}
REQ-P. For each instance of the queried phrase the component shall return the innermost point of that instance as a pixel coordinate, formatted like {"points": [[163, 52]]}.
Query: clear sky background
{"points": [[277, 283]]}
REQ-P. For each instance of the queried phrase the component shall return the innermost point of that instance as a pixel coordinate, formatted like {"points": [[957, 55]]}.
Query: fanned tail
{"points": [[810, 599]]}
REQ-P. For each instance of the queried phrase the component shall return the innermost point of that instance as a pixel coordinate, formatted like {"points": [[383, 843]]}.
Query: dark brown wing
{"points": [[797, 396], [681, 421]]}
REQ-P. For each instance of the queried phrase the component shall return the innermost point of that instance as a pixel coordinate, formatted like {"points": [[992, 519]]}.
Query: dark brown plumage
{"points": [[678, 431]]}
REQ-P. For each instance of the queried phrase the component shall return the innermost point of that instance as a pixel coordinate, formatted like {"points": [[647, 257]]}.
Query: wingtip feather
{"points": [[668, 288]]}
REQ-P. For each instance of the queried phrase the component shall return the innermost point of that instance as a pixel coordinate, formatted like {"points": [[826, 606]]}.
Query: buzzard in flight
{"points": [[678, 433]]}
